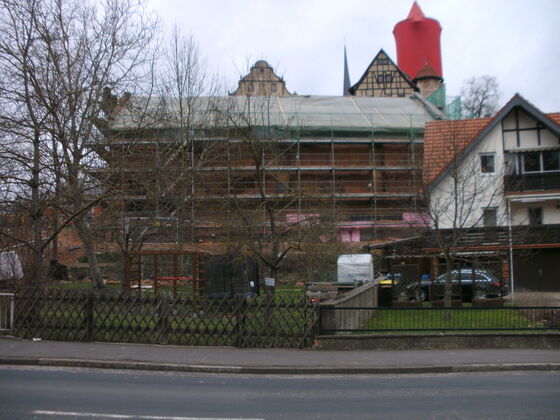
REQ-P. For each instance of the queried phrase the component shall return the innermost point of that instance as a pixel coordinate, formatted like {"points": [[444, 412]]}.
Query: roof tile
{"points": [[445, 139], [554, 117]]}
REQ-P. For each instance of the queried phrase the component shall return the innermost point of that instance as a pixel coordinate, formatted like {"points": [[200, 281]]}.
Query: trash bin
{"points": [[384, 295]]}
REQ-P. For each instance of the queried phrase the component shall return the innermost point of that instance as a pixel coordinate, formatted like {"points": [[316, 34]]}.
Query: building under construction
{"points": [[355, 161], [187, 169]]}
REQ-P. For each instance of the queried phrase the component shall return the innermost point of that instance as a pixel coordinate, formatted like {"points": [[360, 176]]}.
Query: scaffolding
{"points": [[357, 160]]}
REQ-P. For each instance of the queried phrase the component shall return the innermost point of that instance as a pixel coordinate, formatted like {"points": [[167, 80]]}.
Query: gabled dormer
{"points": [[261, 81], [383, 78], [524, 130]]}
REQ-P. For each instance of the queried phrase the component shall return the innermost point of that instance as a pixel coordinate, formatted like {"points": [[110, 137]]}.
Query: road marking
{"points": [[127, 416]]}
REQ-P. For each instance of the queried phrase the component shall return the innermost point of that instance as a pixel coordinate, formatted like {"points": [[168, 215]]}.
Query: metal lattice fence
{"points": [[406, 287], [497, 319], [280, 321]]}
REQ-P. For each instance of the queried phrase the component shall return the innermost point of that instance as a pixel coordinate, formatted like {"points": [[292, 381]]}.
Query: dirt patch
{"points": [[529, 298]]}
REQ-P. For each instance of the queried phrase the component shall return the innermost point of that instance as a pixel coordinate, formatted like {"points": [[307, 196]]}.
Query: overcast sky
{"points": [[518, 41]]}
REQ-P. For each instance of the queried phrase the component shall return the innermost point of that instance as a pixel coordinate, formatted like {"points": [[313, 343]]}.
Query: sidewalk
{"points": [[15, 351]]}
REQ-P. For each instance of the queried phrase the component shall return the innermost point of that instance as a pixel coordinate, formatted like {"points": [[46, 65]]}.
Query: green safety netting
{"points": [[294, 113]]}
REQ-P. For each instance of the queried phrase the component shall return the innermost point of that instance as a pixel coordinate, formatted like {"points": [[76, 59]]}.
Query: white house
{"points": [[500, 172]]}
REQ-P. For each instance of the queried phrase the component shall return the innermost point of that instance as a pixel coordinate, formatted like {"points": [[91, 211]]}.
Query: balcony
{"points": [[532, 182], [521, 236]]}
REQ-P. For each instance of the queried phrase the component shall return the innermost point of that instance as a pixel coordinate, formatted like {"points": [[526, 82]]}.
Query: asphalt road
{"points": [[60, 393]]}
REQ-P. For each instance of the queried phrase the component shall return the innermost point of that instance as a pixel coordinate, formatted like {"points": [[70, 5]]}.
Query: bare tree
{"points": [[56, 57], [480, 96], [154, 151], [268, 214], [187, 88]]}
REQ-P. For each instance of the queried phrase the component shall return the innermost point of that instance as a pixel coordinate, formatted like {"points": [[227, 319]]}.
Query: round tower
{"points": [[418, 43]]}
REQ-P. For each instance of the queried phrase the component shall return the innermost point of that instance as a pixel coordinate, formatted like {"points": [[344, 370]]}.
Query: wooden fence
{"points": [[280, 321], [363, 296]]}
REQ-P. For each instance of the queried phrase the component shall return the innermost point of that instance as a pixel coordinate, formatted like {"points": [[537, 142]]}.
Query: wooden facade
{"points": [[383, 78]]}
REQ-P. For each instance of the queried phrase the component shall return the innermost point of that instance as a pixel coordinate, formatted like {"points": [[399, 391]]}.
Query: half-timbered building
{"points": [[383, 78]]}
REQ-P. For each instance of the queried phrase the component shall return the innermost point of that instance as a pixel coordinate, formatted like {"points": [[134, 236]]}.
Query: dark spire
{"points": [[346, 87]]}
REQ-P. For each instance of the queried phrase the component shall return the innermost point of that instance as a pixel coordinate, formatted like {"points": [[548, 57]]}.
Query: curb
{"points": [[279, 370]]}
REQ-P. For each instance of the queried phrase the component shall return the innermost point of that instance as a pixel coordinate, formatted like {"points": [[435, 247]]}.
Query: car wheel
{"points": [[419, 296], [480, 294]]}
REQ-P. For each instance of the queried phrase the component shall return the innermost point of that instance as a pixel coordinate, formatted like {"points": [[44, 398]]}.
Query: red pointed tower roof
{"points": [[415, 13], [418, 42]]}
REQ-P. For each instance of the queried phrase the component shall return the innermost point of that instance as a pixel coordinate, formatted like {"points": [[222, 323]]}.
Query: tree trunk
{"points": [[38, 271], [273, 272], [448, 292], [89, 247], [125, 282]]}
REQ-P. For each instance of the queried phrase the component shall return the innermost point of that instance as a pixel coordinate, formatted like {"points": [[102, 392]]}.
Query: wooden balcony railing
{"points": [[532, 182]]}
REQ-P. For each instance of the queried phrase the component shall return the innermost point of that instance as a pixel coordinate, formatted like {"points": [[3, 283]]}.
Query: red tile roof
{"points": [[426, 72], [445, 139], [554, 117]]}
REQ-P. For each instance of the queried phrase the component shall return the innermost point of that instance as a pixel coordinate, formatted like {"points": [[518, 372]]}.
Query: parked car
{"points": [[486, 286], [420, 291], [389, 280]]}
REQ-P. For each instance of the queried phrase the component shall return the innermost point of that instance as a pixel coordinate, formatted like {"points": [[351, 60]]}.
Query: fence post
{"points": [[327, 320], [89, 316], [7, 307], [12, 312], [317, 318], [163, 322], [239, 320]]}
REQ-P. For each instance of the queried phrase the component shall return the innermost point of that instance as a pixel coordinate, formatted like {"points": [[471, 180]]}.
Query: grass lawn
{"points": [[427, 319], [80, 285], [290, 290], [283, 290]]}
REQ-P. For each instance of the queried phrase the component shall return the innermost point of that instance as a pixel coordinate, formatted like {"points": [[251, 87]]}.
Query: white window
{"points": [[545, 161], [487, 164]]}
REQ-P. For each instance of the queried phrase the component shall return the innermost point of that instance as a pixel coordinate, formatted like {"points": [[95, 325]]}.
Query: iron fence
{"points": [[278, 321], [442, 319]]}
